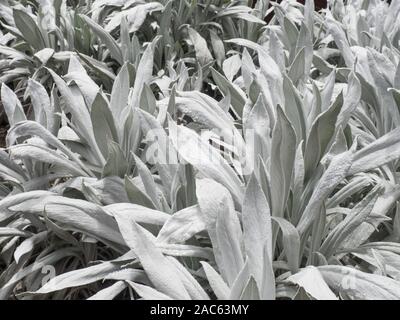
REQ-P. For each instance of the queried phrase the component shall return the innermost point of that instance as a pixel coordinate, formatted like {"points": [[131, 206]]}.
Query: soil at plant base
{"points": [[3, 133]]}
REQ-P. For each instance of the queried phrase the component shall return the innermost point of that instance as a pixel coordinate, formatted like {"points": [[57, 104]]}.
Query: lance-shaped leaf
{"points": [[223, 227], [205, 158], [75, 215], [257, 232], [338, 169], [136, 195], [120, 92], [311, 280], [135, 16], [320, 136], [216, 282], [138, 213], [46, 155], [283, 150], [32, 128], [116, 164], [354, 284], [12, 106], [182, 225], [291, 242], [381, 151], [40, 103], [29, 29], [104, 124], [79, 277], [15, 199], [194, 289], [159, 269], [104, 36], [257, 130], [80, 115], [238, 97], [342, 230], [160, 150], [78, 75], [144, 72], [200, 46]]}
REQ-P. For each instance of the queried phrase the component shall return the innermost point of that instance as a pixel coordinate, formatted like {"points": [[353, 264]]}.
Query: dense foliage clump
{"points": [[181, 149]]}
